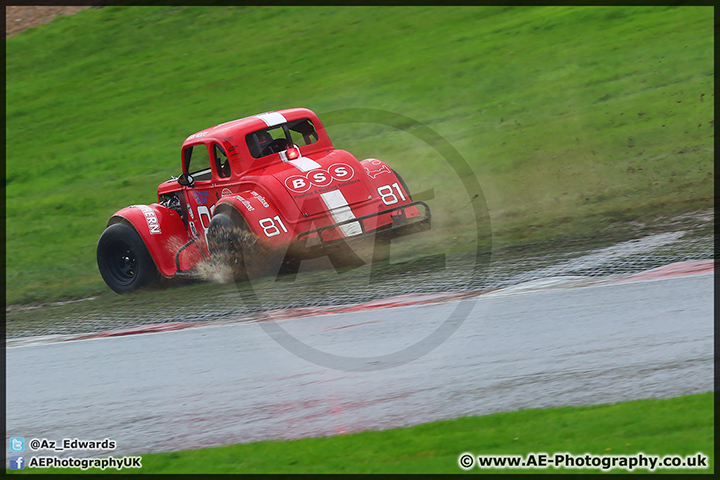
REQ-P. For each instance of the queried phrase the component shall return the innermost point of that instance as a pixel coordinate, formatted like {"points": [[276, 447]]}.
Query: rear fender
{"points": [[380, 175], [164, 234], [262, 217], [388, 186]]}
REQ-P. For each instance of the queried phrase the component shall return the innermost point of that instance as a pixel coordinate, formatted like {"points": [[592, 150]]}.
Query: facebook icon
{"points": [[17, 462]]}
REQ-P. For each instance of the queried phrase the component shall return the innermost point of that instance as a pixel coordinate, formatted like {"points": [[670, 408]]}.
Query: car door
{"points": [[201, 195]]}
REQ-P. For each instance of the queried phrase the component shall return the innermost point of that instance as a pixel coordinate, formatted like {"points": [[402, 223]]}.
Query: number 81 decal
{"points": [[270, 228], [272, 225], [387, 194]]}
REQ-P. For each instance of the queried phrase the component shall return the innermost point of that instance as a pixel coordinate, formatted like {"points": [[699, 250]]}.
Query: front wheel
{"points": [[123, 259]]}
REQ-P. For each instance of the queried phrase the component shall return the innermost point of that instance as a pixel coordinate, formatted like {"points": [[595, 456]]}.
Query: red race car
{"points": [[274, 179]]}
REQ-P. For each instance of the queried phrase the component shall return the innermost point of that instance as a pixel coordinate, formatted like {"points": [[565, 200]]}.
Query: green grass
{"points": [[571, 118], [676, 426]]}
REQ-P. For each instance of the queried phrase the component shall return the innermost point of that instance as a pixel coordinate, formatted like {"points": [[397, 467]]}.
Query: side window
{"points": [[221, 161], [197, 160]]}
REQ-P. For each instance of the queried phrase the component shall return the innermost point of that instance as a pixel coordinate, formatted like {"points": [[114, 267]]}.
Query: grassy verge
{"points": [[677, 426], [573, 119]]}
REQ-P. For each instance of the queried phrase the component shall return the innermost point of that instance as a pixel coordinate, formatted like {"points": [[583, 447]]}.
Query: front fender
{"points": [[262, 217], [164, 234]]}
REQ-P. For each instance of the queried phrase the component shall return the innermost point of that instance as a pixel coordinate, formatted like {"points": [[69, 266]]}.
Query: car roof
{"points": [[243, 126]]}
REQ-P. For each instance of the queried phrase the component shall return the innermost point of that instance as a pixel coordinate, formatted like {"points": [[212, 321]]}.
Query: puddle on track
{"points": [[216, 302]]}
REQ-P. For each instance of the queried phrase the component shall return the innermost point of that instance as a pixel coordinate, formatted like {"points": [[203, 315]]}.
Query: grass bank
{"points": [[677, 426], [575, 120]]}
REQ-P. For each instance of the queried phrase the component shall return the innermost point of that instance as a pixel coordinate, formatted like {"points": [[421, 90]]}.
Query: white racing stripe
{"points": [[334, 200], [271, 119], [305, 164], [340, 211]]}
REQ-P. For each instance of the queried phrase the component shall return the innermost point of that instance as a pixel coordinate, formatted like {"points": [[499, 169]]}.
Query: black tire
{"points": [[227, 241], [124, 261]]}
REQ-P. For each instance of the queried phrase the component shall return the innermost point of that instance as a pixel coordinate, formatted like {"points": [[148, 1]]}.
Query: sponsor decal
{"points": [[196, 135], [225, 192], [343, 185], [298, 197], [232, 149], [151, 219], [298, 184], [378, 168], [245, 202], [260, 199], [319, 178], [201, 196]]}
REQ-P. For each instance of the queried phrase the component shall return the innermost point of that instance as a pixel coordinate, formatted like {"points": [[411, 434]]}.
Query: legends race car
{"points": [[272, 180]]}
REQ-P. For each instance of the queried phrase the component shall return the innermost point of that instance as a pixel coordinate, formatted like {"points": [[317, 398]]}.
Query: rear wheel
{"points": [[123, 259], [229, 241]]}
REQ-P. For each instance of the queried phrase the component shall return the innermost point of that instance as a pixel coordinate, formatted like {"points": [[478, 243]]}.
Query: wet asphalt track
{"points": [[547, 343]]}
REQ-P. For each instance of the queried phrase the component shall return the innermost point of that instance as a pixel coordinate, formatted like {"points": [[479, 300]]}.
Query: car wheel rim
{"points": [[122, 262]]}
